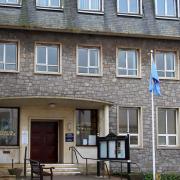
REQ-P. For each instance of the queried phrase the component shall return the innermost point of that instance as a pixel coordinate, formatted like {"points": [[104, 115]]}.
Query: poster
{"points": [[24, 137]]}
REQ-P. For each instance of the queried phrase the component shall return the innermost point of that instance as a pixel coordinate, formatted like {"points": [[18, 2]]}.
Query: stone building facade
{"points": [[56, 97]]}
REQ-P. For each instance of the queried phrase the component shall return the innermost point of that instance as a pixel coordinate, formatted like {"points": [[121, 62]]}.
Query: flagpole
{"points": [[153, 131]]}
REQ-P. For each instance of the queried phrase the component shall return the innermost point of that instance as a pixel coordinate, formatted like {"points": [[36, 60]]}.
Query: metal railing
{"points": [[76, 152], [25, 161]]}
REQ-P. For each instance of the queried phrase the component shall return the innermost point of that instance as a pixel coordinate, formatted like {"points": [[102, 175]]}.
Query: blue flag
{"points": [[154, 84]]}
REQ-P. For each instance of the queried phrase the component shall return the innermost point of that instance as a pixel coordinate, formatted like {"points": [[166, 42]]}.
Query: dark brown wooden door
{"points": [[44, 141]]}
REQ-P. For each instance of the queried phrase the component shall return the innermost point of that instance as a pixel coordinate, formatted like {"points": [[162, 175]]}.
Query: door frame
{"points": [[58, 120]]}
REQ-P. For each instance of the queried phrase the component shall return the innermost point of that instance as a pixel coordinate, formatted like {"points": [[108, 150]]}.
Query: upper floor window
{"points": [[86, 127], [129, 122], [47, 58], [166, 8], [8, 57], [90, 5], [165, 62], [10, 2], [127, 62], [131, 7], [88, 61], [167, 127], [9, 133], [49, 3]]}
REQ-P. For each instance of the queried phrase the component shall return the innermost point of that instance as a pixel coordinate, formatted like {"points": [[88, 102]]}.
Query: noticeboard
{"points": [[113, 147]]}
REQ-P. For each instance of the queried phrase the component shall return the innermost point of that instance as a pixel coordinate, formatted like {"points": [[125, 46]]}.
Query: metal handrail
{"points": [[73, 149], [25, 160]]}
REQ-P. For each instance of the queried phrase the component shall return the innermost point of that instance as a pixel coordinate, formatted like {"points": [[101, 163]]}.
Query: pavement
{"points": [[77, 177]]}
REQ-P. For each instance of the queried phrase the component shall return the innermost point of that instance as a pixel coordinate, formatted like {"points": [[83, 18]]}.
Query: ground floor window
{"points": [[167, 127], [8, 126], [86, 127], [129, 122]]}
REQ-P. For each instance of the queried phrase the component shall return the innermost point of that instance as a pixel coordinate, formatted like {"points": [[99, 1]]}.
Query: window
{"points": [[129, 7], [49, 3], [89, 61], [167, 127], [165, 62], [129, 121], [47, 58], [9, 126], [127, 62], [10, 2], [90, 5], [166, 8], [86, 127], [8, 57]]}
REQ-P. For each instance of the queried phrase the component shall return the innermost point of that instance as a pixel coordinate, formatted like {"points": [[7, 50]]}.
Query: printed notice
{"points": [[25, 137]]}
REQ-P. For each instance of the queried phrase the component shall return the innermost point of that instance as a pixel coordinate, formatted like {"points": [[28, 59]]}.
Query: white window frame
{"points": [[129, 13], [7, 3], [4, 58], [168, 135], [49, 5], [166, 16], [138, 62], [100, 11], [165, 64], [140, 131], [89, 48], [46, 45]]}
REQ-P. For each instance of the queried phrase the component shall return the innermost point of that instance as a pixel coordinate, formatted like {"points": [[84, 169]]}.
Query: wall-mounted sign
{"points": [[69, 137], [7, 133], [25, 137]]}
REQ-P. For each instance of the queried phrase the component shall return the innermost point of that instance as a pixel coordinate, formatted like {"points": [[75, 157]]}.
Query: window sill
{"points": [[169, 79], [86, 145], [167, 18], [89, 75], [91, 12], [9, 147], [129, 77], [168, 148], [130, 15], [49, 8], [9, 71], [48, 73], [11, 5]]}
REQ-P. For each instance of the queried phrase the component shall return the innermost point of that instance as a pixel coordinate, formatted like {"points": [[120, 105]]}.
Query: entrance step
{"points": [[60, 169]]}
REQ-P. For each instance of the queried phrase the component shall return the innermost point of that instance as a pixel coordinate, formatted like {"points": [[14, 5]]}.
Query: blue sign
{"points": [[69, 137]]}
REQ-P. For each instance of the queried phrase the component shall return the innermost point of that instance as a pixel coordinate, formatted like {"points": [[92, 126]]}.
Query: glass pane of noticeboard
{"points": [[112, 149], [121, 149], [103, 149]]}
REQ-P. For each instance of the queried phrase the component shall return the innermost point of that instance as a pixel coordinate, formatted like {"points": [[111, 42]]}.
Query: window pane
{"points": [[41, 55], [95, 4], [55, 3], [52, 68], [132, 61], [83, 70], [93, 70], [170, 61], [122, 72], [160, 7], [52, 56], [1, 66], [122, 120], [41, 68], [171, 121], [161, 73], [12, 1], [133, 120], [161, 121], [170, 74], [172, 140], [2, 1], [134, 140], [1, 52], [171, 8], [162, 140], [134, 7], [103, 149], [42, 2], [83, 57], [93, 57], [10, 53], [132, 72], [123, 6], [86, 125], [122, 59], [160, 61], [10, 66], [8, 127], [84, 4]]}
